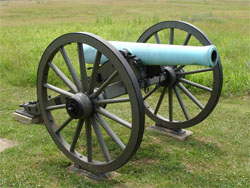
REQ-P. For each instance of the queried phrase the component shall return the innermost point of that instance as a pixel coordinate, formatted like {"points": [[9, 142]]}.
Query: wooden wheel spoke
{"points": [[101, 140], [58, 90], [65, 123], [160, 100], [171, 37], [170, 102], [88, 139], [196, 85], [195, 71], [77, 134], [83, 71], [177, 93], [54, 107], [104, 85], [157, 38], [113, 117], [110, 101], [94, 72], [110, 132], [71, 68], [64, 78], [187, 39], [190, 95]]}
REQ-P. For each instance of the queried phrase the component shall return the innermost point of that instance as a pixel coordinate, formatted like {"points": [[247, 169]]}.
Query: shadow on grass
{"points": [[169, 156], [158, 156]]}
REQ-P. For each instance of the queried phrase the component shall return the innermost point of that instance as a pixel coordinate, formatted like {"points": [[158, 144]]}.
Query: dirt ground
{"points": [[5, 144]]}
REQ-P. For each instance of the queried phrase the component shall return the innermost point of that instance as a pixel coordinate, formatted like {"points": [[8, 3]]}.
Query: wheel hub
{"points": [[170, 77], [79, 106]]}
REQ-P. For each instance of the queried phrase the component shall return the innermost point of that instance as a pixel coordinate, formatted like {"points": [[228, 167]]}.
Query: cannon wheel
{"points": [[79, 121], [181, 83]]}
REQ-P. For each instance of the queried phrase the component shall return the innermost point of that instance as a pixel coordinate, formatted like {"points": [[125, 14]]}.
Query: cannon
{"points": [[93, 94]]}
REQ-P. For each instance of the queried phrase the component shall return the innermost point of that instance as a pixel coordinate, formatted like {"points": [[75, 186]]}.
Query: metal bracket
{"points": [[31, 108], [29, 114]]}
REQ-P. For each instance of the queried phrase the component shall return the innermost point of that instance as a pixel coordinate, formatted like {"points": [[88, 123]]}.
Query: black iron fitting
{"points": [[31, 108]]}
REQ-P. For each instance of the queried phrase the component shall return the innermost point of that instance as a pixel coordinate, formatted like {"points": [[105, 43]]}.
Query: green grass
{"points": [[215, 156], [27, 27]]}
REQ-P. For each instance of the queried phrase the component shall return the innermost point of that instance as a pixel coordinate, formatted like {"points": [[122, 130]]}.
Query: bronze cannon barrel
{"points": [[162, 54]]}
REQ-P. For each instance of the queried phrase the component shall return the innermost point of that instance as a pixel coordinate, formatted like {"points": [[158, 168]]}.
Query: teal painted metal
{"points": [[162, 54]]}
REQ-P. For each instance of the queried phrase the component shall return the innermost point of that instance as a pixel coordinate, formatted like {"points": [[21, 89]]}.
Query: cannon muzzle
{"points": [[162, 54]]}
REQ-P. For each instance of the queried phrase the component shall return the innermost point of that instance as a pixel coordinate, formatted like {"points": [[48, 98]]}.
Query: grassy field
{"points": [[27, 27], [217, 155]]}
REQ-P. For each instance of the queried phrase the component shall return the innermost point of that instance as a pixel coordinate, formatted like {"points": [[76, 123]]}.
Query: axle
{"points": [[162, 54]]}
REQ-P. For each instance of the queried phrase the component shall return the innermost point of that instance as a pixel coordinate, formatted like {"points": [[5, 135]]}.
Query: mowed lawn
{"points": [[216, 155]]}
